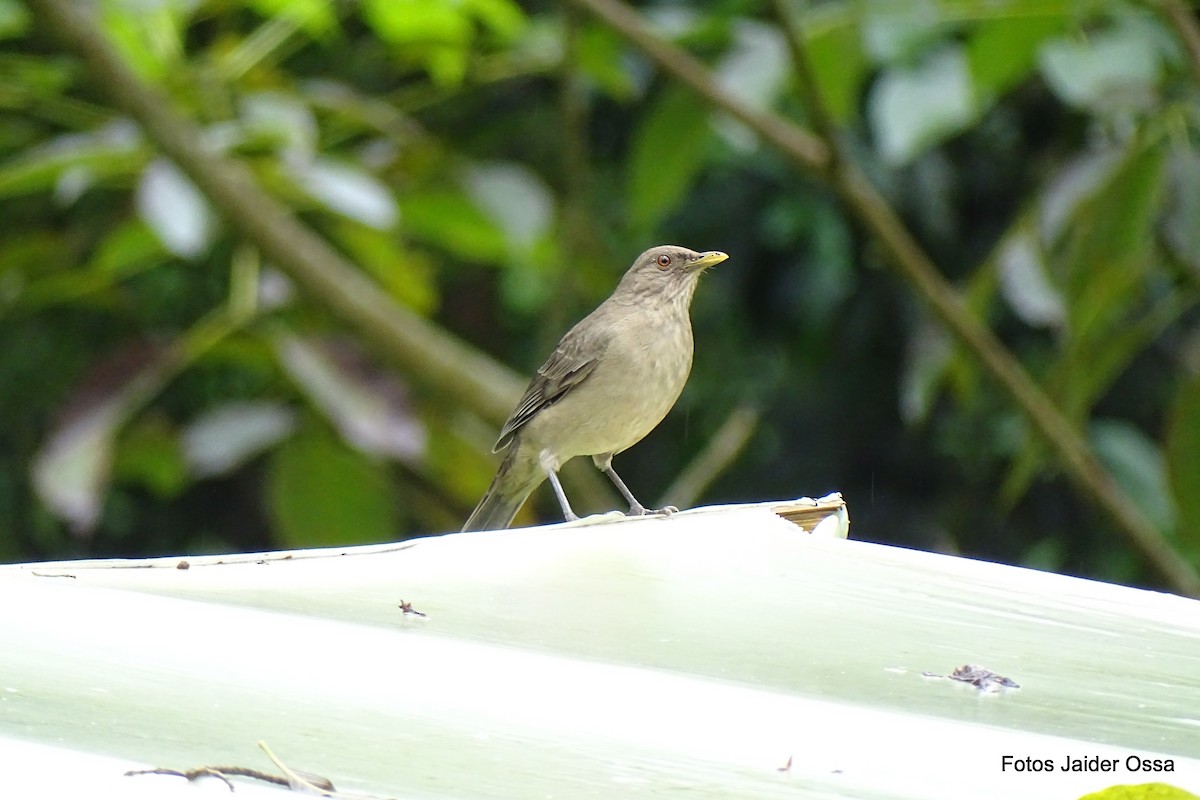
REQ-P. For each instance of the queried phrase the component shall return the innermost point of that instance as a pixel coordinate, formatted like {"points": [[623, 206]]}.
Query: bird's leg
{"points": [[570, 515], [636, 509]]}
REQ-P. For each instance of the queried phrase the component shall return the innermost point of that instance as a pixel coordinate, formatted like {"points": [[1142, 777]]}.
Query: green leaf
{"points": [[175, 210], [349, 190], [148, 35], [1086, 373], [368, 405], [893, 32], [1105, 256], [28, 255], [1108, 251], [516, 199], [129, 247], [315, 17], [14, 19], [72, 469], [1020, 266], [528, 282], [282, 121], [1002, 52], [1183, 460], [1181, 217], [149, 454], [1111, 68], [667, 152], [755, 68], [104, 153], [912, 109], [600, 54], [405, 273], [1137, 465], [924, 372], [503, 19], [433, 33], [28, 80], [225, 437], [321, 492], [839, 63], [446, 218]]}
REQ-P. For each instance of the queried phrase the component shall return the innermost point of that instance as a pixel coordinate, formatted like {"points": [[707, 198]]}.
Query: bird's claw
{"points": [[641, 511]]}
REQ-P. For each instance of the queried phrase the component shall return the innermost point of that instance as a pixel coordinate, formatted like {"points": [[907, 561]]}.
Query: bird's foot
{"points": [[599, 519], [639, 510]]}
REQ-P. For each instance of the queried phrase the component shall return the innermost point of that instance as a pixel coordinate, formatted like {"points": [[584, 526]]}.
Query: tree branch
{"points": [[814, 101], [814, 155], [1183, 20], [425, 352], [796, 142], [439, 360]]}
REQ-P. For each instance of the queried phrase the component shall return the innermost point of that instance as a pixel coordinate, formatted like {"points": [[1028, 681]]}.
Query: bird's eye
{"points": [[664, 261]]}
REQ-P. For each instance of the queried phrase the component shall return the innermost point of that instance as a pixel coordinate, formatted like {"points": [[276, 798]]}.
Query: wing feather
{"points": [[567, 367]]}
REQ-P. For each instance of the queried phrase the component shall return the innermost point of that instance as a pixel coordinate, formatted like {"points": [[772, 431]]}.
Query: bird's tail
{"points": [[504, 497], [495, 511]]}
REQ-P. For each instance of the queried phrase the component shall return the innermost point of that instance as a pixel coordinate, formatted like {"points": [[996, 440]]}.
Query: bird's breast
{"points": [[636, 382]]}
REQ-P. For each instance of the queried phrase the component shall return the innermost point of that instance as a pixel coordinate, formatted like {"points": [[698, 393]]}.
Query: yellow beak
{"points": [[708, 259]]}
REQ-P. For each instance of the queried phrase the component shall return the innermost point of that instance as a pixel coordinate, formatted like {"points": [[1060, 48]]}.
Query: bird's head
{"points": [[668, 270]]}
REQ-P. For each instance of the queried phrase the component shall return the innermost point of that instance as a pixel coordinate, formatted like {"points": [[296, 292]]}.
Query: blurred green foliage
{"points": [[496, 166]]}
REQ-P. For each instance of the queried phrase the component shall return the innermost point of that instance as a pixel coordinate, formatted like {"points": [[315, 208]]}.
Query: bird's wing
{"points": [[568, 366]]}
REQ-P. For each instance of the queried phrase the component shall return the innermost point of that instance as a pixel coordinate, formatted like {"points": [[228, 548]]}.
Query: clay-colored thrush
{"points": [[611, 379]]}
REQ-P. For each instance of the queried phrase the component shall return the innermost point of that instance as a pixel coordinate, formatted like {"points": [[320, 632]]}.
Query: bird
{"points": [[609, 382]]}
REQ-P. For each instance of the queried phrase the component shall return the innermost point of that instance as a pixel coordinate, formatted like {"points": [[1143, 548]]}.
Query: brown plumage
{"points": [[611, 379]]}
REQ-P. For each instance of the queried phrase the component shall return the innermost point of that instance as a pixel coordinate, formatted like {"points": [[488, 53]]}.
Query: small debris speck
{"points": [[408, 610], [981, 678]]}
